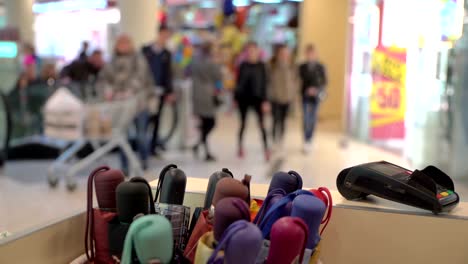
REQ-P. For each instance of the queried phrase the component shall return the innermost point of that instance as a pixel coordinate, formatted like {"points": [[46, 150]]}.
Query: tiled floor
{"points": [[27, 202]]}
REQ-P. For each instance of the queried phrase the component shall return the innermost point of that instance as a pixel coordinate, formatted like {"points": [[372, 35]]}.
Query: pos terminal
{"points": [[429, 189]]}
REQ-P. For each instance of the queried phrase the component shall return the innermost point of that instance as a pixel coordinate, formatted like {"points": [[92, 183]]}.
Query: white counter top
{"points": [[372, 203]]}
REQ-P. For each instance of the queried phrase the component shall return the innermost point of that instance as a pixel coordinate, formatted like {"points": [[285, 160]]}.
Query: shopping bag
{"points": [[203, 226], [151, 238], [97, 219], [63, 115]]}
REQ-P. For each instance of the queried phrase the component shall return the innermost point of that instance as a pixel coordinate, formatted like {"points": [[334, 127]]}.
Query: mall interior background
{"points": [[398, 73]]}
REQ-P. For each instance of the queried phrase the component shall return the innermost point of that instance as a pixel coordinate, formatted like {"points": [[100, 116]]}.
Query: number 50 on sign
{"points": [[388, 99]]}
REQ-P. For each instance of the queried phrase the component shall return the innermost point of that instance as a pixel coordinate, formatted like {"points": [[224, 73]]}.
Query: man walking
{"points": [[159, 60], [314, 79]]}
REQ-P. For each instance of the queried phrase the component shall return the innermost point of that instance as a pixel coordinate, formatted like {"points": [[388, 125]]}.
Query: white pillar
{"points": [[138, 20], [19, 14]]}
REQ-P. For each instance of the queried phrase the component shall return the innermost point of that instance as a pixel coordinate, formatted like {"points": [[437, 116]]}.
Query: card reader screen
{"points": [[388, 169]]}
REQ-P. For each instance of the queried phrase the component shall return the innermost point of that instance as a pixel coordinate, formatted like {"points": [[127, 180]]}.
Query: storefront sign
{"points": [[388, 102], [9, 34], [452, 14], [8, 49], [68, 5]]}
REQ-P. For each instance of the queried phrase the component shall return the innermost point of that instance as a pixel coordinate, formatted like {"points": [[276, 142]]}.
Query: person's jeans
{"points": [[280, 113], [310, 108], [141, 126], [156, 119]]}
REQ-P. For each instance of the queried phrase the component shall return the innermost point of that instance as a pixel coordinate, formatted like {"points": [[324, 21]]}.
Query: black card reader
{"points": [[429, 189]]}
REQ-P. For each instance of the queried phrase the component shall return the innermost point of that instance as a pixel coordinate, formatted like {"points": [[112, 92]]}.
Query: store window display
{"points": [[62, 40], [400, 76]]}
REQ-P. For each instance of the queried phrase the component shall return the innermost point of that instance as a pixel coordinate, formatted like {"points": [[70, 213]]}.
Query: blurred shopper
{"points": [[84, 51], [206, 77], [251, 93], [28, 76], [282, 89], [159, 59], [314, 79], [30, 94], [87, 70], [127, 75], [48, 74], [30, 57]]}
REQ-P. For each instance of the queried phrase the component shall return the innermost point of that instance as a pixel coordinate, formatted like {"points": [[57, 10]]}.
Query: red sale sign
{"points": [[388, 98]]}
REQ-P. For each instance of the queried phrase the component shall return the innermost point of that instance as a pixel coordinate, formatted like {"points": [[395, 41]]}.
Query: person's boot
{"points": [[267, 155], [2, 159], [162, 147], [195, 150], [210, 158], [144, 165], [241, 153], [307, 147]]}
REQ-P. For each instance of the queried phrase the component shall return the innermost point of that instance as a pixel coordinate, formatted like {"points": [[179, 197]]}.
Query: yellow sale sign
{"points": [[388, 98], [390, 64]]}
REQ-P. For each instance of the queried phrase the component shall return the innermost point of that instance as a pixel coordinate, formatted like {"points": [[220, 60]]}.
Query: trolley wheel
{"points": [[344, 190], [52, 177], [70, 183], [53, 182]]}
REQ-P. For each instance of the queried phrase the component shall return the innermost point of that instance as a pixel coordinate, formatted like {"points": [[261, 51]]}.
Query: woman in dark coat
{"points": [[251, 92]]}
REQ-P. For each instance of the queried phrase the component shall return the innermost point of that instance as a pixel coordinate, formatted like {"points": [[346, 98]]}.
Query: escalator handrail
{"points": [[175, 121], [6, 144]]}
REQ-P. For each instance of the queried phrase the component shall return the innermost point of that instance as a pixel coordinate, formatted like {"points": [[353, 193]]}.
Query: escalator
{"points": [[26, 140]]}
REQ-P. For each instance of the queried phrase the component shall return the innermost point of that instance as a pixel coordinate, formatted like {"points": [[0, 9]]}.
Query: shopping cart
{"points": [[117, 116]]}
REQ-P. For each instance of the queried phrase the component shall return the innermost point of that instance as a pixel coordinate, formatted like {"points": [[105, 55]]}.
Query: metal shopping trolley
{"points": [[104, 126]]}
